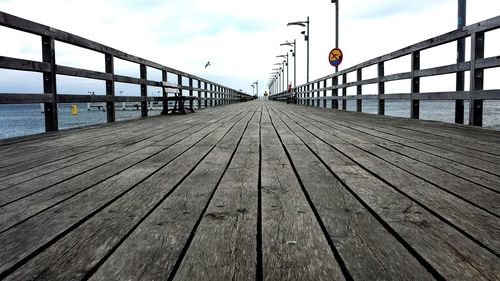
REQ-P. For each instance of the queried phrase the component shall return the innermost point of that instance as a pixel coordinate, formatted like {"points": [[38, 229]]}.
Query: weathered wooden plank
{"points": [[68, 98], [429, 235], [462, 185], [294, 246], [21, 24], [87, 204], [477, 224], [175, 219], [89, 135], [144, 143], [429, 140], [484, 161], [40, 157], [127, 79], [485, 63], [479, 160], [58, 192], [26, 202], [75, 255], [67, 171], [38, 171], [26, 65], [227, 236], [433, 132], [140, 137], [466, 190], [85, 73], [369, 251], [13, 165]]}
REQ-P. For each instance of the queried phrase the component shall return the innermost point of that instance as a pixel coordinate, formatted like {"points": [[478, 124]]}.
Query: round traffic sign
{"points": [[335, 57]]}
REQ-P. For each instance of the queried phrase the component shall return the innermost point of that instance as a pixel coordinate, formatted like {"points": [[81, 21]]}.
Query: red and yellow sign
{"points": [[335, 57]]}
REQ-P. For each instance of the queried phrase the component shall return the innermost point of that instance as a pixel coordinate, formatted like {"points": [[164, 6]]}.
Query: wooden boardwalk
{"points": [[253, 191]]}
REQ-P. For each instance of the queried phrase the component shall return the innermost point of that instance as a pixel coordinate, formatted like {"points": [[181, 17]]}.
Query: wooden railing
{"points": [[208, 92], [315, 92]]}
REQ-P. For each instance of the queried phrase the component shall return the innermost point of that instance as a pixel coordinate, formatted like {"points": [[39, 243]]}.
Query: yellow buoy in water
{"points": [[73, 109]]}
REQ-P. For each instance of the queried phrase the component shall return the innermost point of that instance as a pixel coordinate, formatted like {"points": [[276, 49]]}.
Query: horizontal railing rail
{"points": [[316, 92], [209, 93]]}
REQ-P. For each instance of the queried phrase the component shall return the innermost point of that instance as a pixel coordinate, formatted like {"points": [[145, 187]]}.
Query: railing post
{"points": [[381, 89], [144, 91], [415, 85], [205, 101], [335, 92], [344, 91], [165, 102], [313, 94], [199, 94], [303, 95], [217, 91], [49, 84], [190, 86], [110, 88], [179, 84], [211, 95], [318, 94], [324, 93], [359, 90], [476, 80], [191, 91], [460, 80], [308, 94]]}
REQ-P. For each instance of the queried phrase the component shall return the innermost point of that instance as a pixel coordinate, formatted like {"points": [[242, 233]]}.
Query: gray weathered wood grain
{"points": [[368, 249], [225, 244], [294, 246]]}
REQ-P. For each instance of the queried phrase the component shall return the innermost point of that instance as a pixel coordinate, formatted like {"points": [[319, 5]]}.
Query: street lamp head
{"points": [[300, 23], [287, 44], [281, 56]]}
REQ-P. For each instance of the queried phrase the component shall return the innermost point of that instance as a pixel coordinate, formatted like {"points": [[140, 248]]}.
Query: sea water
{"points": [[26, 119]]}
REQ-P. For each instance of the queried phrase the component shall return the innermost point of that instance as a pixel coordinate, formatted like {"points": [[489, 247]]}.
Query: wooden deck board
{"points": [[253, 191], [368, 249], [291, 235], [469, 218], [227, 236]]}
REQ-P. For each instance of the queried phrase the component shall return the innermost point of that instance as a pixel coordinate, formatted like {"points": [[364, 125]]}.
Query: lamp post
{"points": [[257, 86], [279, 79], [253, 89], [306, 38], [275, 85], [294, 55], [286, 57], [279, 75], [336, 2]]}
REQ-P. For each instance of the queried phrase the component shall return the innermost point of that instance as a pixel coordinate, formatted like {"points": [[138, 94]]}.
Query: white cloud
{"points": [[241, 38]]}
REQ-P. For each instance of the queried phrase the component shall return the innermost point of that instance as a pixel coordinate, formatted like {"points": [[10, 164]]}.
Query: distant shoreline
{"points": [[26, 119]]}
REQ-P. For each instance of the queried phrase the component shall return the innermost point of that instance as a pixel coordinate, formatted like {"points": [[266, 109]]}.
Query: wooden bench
{"points": [[178, 98], [291, 99]]}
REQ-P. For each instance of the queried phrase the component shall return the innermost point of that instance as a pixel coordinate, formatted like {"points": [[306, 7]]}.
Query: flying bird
{"points": [[208, 63]]}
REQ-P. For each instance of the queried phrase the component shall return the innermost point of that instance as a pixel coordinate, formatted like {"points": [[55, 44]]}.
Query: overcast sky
{"points": [[240, 38]]}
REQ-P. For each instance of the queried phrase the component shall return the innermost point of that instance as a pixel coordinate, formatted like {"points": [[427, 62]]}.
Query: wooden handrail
{"points": [[310, 93], [49, 69]]}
